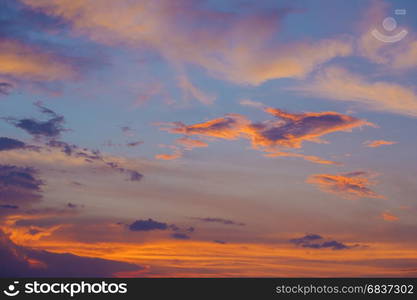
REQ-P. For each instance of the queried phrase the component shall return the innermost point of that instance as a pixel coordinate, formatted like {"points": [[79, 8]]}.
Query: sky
{"points": [[208, 138]]}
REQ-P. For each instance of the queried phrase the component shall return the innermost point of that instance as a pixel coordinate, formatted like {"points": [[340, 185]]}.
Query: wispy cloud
{"points": [[378, 143], [220, 221], [168, 25], [336, 83], [28, 62], [351, 185], [389, 217]]}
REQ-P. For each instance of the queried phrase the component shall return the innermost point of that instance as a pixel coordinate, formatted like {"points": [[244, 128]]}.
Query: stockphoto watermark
{"points": [[67, 288], [390, 26]]}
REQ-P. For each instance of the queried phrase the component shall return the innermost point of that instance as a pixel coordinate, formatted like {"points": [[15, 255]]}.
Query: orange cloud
{"points": [[189, 144], [22, 61], [389, 217], [352, 185], [285, 131], [310, 158], [378, 143], [175, 155], [229, 127], [338, 84], [194, 258]]}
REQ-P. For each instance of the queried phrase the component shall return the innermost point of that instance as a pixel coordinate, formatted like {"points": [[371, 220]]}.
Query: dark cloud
{"points": [[134, 144], [221, 221], [9, 206], [174, 227], [335, 245], [5, 88], [18, 261], [315, 241], [306, 239], [51, 128], [34, 231], [147, 225], [19, 184], [65, 147], [220, 242], [21, 177], [10, 144], [127, 131], [91, 156], [134, 175], [180, 236]]}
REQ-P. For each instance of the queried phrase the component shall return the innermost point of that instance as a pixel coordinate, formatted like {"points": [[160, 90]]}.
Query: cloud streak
{"points": [[336, 83], [378, 143], [353, 185]]}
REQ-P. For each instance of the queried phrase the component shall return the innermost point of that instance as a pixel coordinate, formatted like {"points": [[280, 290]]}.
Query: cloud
{"points": [[219, 242], [9, 206], [336, 83], [191, 90], [238, 46], [315, 241], [306, 239], [378, 143], [19, 184], [51, 128], [147, 225], [91, 156], [352, 185], [19, 261], [387, 216], [55, 152], [250, 103], [10, 144], [127, 131], [189, 144], [175, 155], [5, 88], [407, 58], [134, 144], [23, 177], [29, 62], [180, 236], [285, 131], [221, 221]]}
